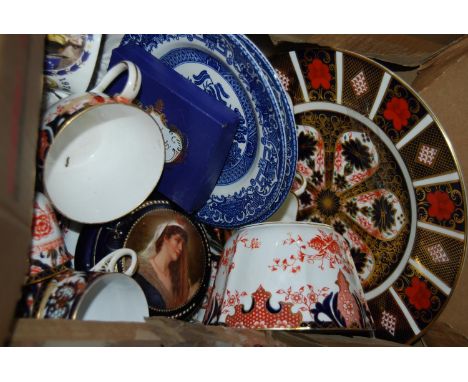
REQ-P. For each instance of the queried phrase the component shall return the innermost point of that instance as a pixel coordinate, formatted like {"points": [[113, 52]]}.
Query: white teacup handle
{"points": [[303, 186], [132, 86], [108, 263]]}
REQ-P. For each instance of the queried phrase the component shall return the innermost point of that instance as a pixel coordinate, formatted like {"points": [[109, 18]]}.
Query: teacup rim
{"points": [[287, 224]]}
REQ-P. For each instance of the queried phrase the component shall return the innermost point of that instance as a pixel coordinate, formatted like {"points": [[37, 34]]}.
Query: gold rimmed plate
{"points": [[381, 171]]}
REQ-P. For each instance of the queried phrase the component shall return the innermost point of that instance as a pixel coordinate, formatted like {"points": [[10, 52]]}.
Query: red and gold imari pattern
{"points": [[429, 155], [261, 316], [442, 204], [355, 186], [379, 169], [399, 111], [420, 296]]}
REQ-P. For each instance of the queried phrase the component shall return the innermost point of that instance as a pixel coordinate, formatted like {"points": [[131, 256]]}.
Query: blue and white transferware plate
{"points": [[287, 118], [252, 181]]}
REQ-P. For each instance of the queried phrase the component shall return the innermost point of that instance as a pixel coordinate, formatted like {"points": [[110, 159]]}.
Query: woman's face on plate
{"points": [[176, 246]]}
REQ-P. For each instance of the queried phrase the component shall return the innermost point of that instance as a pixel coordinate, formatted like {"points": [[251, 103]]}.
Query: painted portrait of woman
{"points": [[170, 262]]}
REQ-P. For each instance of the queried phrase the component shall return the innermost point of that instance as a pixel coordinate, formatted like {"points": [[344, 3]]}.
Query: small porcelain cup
{"points": [[101, 156], [99, 294], [288, 276], [69, 63]]}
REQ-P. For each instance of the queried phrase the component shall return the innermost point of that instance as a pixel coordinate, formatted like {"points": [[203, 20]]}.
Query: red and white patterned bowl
{"points": [[288, 276]]}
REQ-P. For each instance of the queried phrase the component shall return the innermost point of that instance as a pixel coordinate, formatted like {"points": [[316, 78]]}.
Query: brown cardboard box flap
{"points": [[437, 65], [21, 58], [407, 50], [442, 334], [161, 331]]}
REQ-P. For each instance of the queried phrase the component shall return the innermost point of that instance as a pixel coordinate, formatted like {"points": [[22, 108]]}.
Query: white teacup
{"points": [[98, 294], [288, 276], [95, 296], [102, 156]]}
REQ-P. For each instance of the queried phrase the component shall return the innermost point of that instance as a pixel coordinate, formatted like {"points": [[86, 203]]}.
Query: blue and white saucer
{"points": [[262, 158]]}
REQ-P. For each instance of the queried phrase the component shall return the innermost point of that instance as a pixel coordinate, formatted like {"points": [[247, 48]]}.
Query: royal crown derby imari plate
{"points": [[287, 118], [382, 172], [149, 230], [252, 181]]}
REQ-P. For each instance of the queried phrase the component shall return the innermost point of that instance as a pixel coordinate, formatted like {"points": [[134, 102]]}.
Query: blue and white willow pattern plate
{"points": [[252, 182], [287, 120]]}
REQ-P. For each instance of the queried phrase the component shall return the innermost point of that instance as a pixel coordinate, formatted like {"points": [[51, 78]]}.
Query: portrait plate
{"points": [[174, 261]]}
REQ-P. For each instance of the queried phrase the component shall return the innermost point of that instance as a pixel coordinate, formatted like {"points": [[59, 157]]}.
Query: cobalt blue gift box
{"points": [[198, 129]]}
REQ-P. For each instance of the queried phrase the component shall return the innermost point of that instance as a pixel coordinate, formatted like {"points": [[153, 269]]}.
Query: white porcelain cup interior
{"points": [[104, 163], [109, 262], [113, 297]]}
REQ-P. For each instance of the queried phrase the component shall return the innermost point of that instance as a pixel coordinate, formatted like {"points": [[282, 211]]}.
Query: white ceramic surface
{"points": [[288, 275], [113, 297], [93, 296], [105, 163]]}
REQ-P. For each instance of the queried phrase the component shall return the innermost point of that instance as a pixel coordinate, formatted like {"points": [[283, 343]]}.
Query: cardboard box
{"points": [[21, 59], [436, 67]]}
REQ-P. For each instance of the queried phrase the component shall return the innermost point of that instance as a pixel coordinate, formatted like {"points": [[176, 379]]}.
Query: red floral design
{"points": [[397, 111], [227, 255], [319, 74], [328, 248], [419, 294], [442, 206], [370, 196], [253, 243], [41, 224], [303, 298], [232, 299], [338, 157], [325, 246], [360, 176]]}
